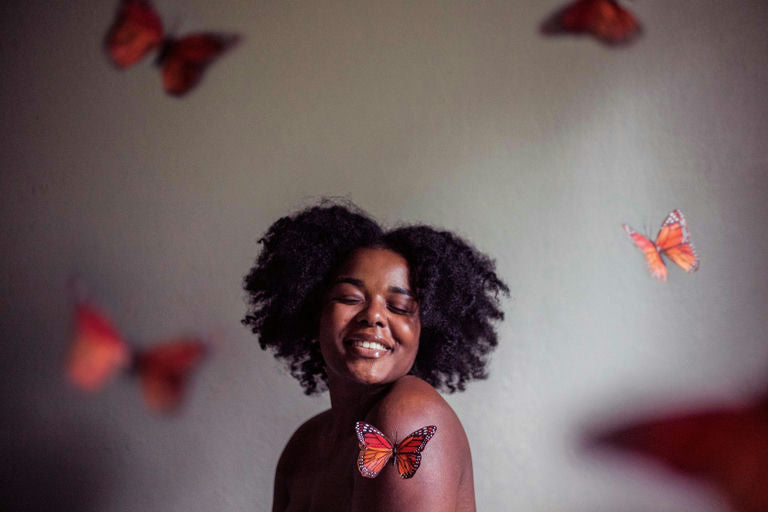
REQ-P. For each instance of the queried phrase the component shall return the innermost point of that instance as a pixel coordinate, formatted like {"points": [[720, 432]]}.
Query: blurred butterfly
{"points": [[137, 30], [727, 447], [98, 352], [606, 20], [673, 240], [376, 450]]}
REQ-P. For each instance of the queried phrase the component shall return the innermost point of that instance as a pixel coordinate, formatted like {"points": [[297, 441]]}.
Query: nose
{"points": [[372, 315]]}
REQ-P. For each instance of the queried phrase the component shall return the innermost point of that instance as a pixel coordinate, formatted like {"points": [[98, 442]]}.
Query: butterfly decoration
{"points": [[726, 447], [138, 30], [98, 352], [376, 450], [673, 240], [605, 20]]}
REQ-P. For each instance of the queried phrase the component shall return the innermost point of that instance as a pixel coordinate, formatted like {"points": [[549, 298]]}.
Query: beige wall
{"points": [[449, 112]]}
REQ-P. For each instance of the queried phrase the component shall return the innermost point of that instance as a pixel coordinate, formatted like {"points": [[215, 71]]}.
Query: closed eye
{"points": [[347, 300], [399, 310]]}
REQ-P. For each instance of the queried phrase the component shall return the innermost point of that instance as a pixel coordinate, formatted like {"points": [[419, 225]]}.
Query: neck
{"points": [[351, 402]]}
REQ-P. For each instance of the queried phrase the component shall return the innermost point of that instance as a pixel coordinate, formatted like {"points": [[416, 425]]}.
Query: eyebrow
{"points": [[359, 283]]}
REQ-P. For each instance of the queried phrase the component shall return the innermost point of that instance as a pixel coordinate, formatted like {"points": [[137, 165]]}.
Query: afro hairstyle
{"points": [[456, 287]]}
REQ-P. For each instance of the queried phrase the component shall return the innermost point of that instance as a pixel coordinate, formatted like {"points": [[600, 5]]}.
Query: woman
{"points": [[380, 319]]}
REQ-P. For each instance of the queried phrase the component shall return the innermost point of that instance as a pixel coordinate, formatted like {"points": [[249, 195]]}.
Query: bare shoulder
{"points": [[306, 433], [444, 477], [304, 436], [413, 403]]}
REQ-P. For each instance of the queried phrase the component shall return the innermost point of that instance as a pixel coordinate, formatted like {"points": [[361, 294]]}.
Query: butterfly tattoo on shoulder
{"points": [[673, 241], [376, 450]]}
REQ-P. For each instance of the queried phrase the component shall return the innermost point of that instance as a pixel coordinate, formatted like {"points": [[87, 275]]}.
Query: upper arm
{"points": [[280, 496], [445, 458], [295, 450]]}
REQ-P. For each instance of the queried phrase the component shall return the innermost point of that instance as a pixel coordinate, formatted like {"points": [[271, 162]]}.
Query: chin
{"points": [[369, 378]]}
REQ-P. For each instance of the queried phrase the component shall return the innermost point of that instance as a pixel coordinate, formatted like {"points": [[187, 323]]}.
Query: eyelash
{"points": [[347, 300], [352, 301], [398, 311]]}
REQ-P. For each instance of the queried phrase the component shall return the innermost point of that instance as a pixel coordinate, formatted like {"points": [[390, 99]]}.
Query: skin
{"points": [[369, 302]]}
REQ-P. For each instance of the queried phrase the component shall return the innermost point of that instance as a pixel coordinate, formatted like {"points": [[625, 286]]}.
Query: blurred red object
{"points": [[164, 371], [727, 447], [98, 351], [184, 60], [606, 20], [138, 30]]}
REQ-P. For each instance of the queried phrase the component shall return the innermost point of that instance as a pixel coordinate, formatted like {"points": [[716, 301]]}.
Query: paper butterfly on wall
{"points": [[725, 446], [98, 352], [673, 240], [376, 450], [606, 20], [137, 30]]}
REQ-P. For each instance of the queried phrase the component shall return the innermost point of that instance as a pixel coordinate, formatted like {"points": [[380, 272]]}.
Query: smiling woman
{"points": [[369, 327], [380, 319]]}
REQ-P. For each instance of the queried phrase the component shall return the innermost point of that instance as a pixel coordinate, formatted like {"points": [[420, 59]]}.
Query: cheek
{"points": [[408, 332], [332, 320]]}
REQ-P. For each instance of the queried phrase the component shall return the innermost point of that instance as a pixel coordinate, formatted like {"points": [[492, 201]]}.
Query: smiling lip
{"points": [[367, 342]]}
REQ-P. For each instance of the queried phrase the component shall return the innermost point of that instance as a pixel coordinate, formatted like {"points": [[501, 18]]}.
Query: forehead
{"points": [[376, 264]]}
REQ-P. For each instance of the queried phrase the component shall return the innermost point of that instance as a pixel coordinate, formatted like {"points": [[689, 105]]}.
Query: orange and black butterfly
{"points": [[99, 352], [606, 20], [138, 30], [376, 450], [673, 241], [724, 446]]}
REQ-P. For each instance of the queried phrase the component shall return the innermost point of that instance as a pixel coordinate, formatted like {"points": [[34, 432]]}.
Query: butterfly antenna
{"points": [[647, 230]]}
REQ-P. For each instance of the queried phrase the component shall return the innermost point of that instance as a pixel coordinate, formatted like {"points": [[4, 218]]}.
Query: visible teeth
{"points": [[370, 344]]}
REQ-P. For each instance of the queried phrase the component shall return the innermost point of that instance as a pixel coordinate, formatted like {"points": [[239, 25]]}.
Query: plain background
{"points": [[453, 113]]}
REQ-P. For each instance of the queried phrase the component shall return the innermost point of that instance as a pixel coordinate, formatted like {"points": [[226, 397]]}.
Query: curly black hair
{"points": [[456, 287]]}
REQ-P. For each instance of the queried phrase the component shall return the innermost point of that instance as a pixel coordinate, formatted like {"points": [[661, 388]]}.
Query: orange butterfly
{"points": [[727, 447], [606, 20], [99, 352], [137, 30], [673, 240], [376, 450]]}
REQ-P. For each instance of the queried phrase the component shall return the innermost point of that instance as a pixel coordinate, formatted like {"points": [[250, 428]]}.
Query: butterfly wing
{"points": [[375, 449], [655, 264], [408, 454], [136, 31], [98, 351], [726, 447], [674, 241], [185, 59], [165, 369], [606, 20]]}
